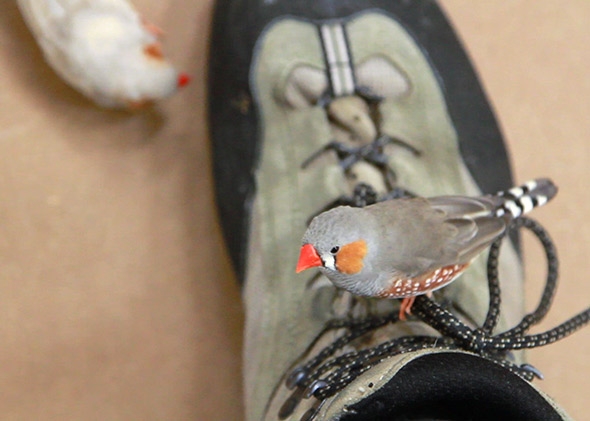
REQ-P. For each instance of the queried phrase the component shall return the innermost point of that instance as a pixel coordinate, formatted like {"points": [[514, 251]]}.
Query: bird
{"points": [[104, 49], [405, 247]]}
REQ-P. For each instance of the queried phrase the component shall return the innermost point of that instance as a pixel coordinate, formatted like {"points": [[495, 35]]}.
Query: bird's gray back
{"points": [[423, 234]]}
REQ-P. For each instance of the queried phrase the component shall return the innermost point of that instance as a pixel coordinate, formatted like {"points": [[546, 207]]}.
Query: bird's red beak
{"points": [[308, 258]]}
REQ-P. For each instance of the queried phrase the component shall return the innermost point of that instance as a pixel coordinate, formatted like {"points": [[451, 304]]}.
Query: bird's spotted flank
{"points": [[430, 281]]}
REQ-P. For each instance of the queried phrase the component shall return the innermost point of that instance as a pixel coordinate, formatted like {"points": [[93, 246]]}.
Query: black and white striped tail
{"points": [[523, 199]]}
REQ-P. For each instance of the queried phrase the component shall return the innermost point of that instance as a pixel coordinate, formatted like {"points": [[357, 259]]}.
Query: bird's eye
{"points": [[334, 249]]}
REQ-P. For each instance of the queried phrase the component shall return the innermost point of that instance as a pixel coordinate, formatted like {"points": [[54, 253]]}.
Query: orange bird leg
{"points": [[406, 307]]}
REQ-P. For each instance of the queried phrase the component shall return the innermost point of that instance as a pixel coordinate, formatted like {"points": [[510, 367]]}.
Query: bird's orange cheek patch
{"points": [[349, 259]]}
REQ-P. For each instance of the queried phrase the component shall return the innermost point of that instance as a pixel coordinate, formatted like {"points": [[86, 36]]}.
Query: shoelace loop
{"points": [[372, 153]]}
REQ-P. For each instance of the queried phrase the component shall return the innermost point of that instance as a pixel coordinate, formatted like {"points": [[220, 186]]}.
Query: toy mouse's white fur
{"points": [[103, 49]]}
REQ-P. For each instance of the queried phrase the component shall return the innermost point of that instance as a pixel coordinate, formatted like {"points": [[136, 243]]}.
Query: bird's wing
{"points": [[409, 236], [472, 236], [463, 219], [462, 206], [470, 224], [419, 235], [433, 233]]}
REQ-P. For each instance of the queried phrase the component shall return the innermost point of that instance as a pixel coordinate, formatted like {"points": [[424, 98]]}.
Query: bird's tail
{"points": [[520, 200]]}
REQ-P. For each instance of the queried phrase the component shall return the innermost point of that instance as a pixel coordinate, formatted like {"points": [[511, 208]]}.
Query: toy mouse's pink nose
{"points": [[183, 80]]}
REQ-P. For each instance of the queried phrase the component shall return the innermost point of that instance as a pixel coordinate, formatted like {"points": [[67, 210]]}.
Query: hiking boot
{"points": [[317, 104]]}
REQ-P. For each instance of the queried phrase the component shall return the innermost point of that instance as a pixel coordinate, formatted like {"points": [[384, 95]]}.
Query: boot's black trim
{"points": [[457, 387]]}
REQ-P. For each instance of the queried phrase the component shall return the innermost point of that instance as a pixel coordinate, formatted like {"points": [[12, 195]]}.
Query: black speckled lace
{"points": [[331, 370], [372, 153]]}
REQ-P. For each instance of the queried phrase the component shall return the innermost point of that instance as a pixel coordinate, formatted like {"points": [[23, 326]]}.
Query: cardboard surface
{"points": [[117, 301]]}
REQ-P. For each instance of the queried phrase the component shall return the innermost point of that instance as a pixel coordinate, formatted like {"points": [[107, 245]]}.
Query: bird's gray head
{"points": [[335, 240]]}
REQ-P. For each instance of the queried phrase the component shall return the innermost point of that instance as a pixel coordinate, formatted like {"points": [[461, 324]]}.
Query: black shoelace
{"points": [[326, 374], [372, 153]]}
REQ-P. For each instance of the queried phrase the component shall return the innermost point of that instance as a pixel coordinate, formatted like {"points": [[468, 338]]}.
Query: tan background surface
{"points": [[116, 301]]}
